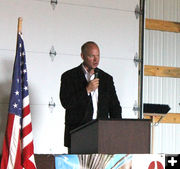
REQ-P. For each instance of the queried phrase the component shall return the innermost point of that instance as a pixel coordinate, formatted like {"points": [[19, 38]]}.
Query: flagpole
{"points": [[19, 25]]}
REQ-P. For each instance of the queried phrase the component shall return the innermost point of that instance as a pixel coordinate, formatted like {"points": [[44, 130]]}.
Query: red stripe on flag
{"points": [[29, 165], [26, 130], [7, 141], [28, 151], [26, 111]]}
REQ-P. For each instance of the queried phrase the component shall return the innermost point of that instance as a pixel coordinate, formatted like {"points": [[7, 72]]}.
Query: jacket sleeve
{"points": [[72, 94], [114, 104]]}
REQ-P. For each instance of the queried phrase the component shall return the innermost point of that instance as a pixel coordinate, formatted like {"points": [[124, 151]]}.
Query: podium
{"points": [[123, 136]]}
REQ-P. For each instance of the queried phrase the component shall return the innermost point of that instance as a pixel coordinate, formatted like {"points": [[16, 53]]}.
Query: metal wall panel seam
{"points": [[67, 54], [82, 5]]}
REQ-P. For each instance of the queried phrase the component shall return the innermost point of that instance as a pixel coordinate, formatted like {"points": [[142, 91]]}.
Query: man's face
{"points": [[91, 57]]}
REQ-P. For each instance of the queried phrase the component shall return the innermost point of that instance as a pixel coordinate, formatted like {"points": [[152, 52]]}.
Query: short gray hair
{"points": [[86, 46]]}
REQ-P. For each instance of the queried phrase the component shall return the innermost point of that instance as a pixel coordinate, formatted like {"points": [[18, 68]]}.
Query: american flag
{"points": [[18, 149]]}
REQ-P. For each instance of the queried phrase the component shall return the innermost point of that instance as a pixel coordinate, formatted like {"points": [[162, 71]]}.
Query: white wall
{"points": [[162, 48], [112, 24]]}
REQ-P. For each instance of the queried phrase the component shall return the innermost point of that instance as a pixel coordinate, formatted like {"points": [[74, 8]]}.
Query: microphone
{"points": [[96, 75]]}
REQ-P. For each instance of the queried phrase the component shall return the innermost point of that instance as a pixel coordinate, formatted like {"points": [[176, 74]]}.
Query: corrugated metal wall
{"points": [[163, 48]]}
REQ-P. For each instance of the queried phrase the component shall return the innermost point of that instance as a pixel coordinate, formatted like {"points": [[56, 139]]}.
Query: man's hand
{"points": [[92, 85]]}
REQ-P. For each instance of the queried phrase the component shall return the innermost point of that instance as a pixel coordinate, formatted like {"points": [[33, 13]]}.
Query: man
{"points": [[87, 92]]}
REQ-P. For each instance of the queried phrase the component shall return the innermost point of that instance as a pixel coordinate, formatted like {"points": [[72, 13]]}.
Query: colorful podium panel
{"points": [[106, 161]]}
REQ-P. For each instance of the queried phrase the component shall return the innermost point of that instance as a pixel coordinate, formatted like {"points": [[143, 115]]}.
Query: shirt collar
{"points": [[84, 70], [87, 74]]}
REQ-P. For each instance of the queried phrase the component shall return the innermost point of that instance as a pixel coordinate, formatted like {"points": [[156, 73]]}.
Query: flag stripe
{"points": [[27, 140], [7, 140], [26, 101], [27, 130], [14, 142], [26, 111], [30, 164], [26, 120], [32, 159], [27, 151], [18, 156]]}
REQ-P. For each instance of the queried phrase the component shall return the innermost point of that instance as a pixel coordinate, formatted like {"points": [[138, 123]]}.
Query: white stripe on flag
{"points": [[26, 120], [14, 142], [26, 101], [27, 139], [32, 159]]}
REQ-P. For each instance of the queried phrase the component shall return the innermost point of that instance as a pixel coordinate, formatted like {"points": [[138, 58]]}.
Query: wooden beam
{"points": [[161, 71], [154, 24], [168, 118]]}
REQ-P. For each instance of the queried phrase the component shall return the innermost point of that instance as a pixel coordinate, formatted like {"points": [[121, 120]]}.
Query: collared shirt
{"points": [[94, 94]]}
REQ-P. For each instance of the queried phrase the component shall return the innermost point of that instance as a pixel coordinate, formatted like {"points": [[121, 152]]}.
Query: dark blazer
{"points": [[75, 100]]}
